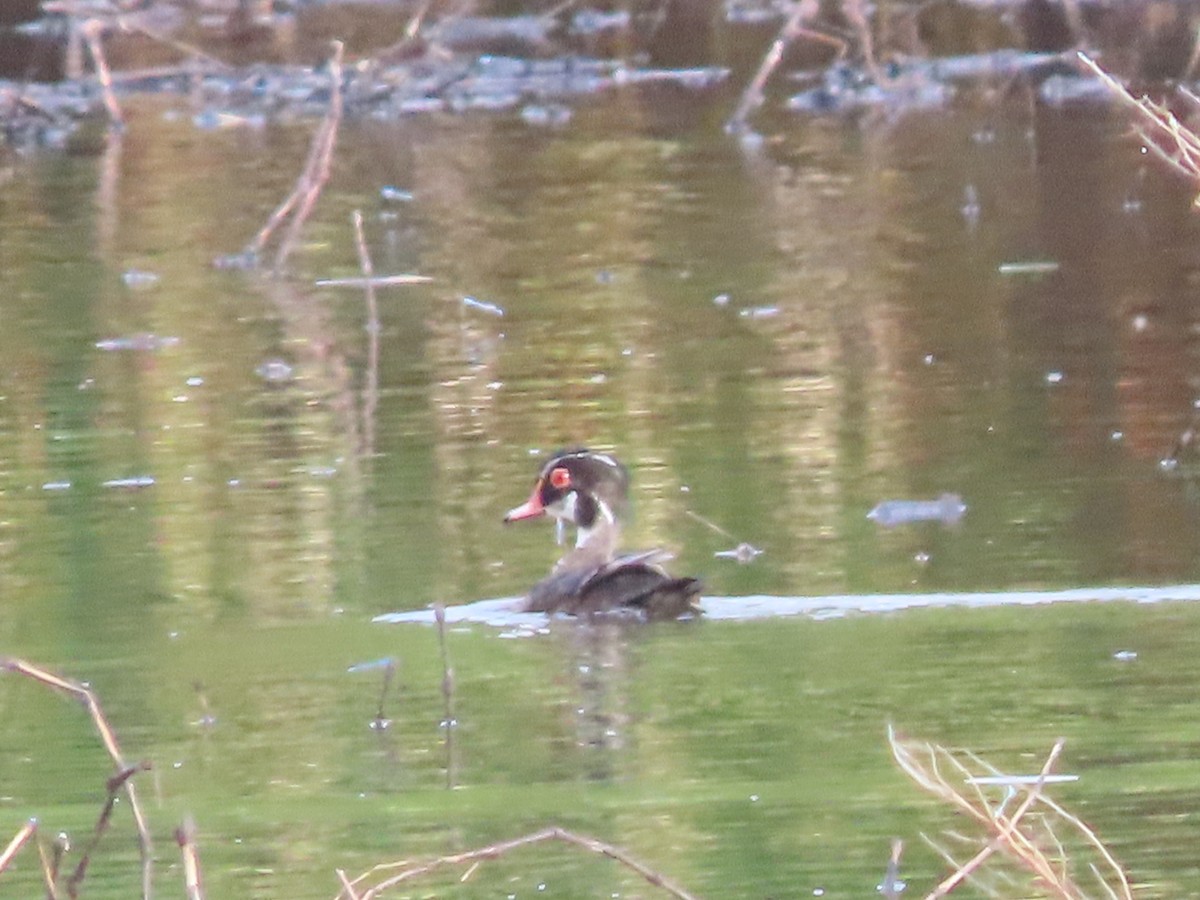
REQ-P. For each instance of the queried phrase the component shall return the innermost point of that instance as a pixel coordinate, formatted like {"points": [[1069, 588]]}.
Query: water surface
{"points": [[205, 524]]}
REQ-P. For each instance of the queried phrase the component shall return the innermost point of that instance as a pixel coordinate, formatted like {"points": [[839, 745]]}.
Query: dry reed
{"points": [[1029, 836], [300, 202], [122, 780], [1163, 135], [407, 871]]}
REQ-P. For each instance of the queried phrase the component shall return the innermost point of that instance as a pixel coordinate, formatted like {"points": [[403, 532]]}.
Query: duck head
{"points": [[577, 487]]}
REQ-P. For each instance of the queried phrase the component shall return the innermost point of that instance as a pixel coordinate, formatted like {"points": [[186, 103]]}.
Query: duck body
{"points": [[589, 490]]}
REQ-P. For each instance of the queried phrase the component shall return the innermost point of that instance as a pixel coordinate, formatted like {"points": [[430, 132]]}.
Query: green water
{"points": [[868, 349]]}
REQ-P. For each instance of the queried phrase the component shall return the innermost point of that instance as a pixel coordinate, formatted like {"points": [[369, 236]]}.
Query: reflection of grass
{"points": [[1037, 834]]}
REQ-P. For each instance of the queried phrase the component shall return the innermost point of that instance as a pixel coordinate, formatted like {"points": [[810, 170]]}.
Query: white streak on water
{"points": [[504, 612]]}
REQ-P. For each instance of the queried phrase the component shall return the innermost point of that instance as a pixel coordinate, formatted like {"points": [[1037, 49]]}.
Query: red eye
{"points": [[560, 478]]}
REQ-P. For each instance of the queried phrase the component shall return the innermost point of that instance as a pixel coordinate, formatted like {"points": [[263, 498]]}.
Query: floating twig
{"points": [[374, 281], [492, 851], [744, 553], [109, 739]]}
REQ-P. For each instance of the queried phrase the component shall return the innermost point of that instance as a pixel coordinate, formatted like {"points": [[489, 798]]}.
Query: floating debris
{"points": [[275, 371], [134, 482], [593, 21], [947, 509], [744, 553], [393, 194], [759, 312], [1125, 655], [1032, 267], [237, 262], [137, 278], [143, 342], [375, 281], [721, 300], [56, 486], [546, 115], [970, 208], [1054, 377], [217, 120], [483, 306], [372, 665], [1063, 90], [1020, 780]]}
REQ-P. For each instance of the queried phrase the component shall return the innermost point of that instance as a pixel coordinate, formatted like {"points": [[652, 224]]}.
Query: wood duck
{"points": [[589, 490]]}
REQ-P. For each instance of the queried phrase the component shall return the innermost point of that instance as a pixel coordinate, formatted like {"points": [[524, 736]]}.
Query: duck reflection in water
{"points": [[590, 491]]}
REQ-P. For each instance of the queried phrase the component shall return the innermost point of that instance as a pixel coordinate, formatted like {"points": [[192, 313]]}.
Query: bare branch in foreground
{"points": [[1034, 842], [1163, 135], [185, 836], [24, 833], [109, 739], [493, 851]]}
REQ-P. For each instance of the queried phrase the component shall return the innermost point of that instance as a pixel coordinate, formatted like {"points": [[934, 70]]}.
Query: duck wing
{"points": [[638, 581]]}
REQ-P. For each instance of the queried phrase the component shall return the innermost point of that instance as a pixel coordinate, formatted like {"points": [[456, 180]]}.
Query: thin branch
{"points": [[92, 30], [493, 851], [24, 833], [108, 738], [314, 180], [753, 95], [1164, 136], [185, 837]]}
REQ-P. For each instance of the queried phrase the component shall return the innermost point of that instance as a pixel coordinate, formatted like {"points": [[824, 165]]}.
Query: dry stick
{"points": [[320, 139], [315, 180], [185, 837], [1157, 122], [375, 281], [113, 786], [752, 96], [492, 851], [371, 388], [1020, 846], [109, 739], [92, 30], [50, 866], [857, 17], [1004, 836], [19, 840], [346, 885]]}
